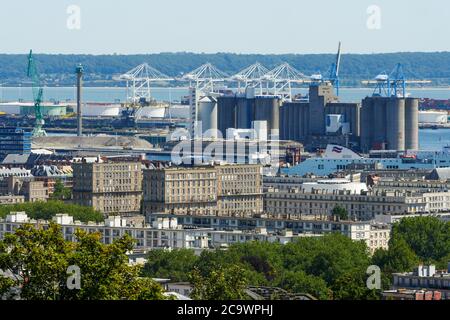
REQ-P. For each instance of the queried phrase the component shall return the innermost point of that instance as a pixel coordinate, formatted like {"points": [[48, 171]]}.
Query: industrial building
{"points": [[317, 122], [321, 120], [241, 110], [389, 123]]}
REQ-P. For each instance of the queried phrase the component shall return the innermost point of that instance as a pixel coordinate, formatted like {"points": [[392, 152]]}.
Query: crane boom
{"points": [[38, 93]]}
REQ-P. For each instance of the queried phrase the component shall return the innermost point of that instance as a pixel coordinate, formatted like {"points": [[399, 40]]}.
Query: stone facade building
{"points": [[211, 190], [108, 186]]}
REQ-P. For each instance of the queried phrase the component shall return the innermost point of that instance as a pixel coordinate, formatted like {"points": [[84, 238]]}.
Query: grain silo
{"points": [[267, 108], [395, 129], [367, 123], [412, 124], [244, 112], [207, 114], [379, 122], [226, 109]]}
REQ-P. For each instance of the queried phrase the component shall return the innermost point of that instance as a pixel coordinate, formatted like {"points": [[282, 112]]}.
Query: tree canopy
{"points": [[58, 69], [428, 238], [313, 265], [341, 212], [37, 261], [61, 192], [47, 210]]}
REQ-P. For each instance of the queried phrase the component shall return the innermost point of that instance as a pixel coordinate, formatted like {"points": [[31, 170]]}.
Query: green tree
{"points": [[61, 192], [39, 258], [398, 258], [263, 258], [327, 257], [300, 282], [222, 283], [428, 237], [174, 264], [340, 212], [47, 210], [352, 286]]}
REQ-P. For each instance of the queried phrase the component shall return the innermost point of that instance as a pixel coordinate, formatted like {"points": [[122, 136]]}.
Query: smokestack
{"points": [[79, 72]]}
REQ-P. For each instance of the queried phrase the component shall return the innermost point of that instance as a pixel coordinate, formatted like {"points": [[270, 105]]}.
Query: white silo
{"points": [[207, 114]]}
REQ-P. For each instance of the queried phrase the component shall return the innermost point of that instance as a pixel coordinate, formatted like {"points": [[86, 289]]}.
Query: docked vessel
{"points": [[337, 158]]}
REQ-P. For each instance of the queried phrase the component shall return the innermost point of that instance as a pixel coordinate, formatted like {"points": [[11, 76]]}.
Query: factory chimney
{"points": [[79, 72]]}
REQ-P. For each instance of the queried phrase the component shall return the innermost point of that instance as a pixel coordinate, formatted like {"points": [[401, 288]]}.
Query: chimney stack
{"points": [[79, 72]]}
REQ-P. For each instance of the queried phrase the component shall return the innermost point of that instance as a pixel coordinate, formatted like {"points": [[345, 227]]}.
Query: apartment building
{"points": [[11, 199], [20, 182], [365, 205], [205, 190], [109, 186], [424, 277], [375, 234], [31, 189], [162, 233]]}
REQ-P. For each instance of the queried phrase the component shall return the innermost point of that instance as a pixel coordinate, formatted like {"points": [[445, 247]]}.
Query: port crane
{"points": [[392, 84], [138, 81], [38, 93], [250, 77], [333, 73], [205, 78], [282, 78]]}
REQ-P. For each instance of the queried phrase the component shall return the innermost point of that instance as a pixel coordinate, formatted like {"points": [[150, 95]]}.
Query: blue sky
{"points": [[241, 26]]}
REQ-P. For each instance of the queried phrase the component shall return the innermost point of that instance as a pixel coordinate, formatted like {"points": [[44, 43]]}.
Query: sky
{"points": [[238, 26]]}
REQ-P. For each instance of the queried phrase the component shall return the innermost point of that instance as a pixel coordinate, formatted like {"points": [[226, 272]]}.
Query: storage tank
{"points": [[412, 124], [101, 110], [178, 111], [244, 112], [207, 114], [432, 117], [366, 123], [226, 108], [379, 120], [395, 118], [151, 112], [267, 108]]}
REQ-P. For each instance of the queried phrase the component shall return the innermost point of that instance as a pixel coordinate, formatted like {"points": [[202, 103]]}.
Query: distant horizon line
{"points": [[219, 52]]}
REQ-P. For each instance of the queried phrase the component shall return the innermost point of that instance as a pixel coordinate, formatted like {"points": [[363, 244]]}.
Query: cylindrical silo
{"points": [[284, 113], [367, 123], [207, 114], [294, 121], [226, 106], [395, 114], [412, 124], [244, 112], [379, 121], [268, 109]]}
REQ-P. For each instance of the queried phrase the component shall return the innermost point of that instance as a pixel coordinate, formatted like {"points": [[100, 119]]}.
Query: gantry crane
{"points": [[38, 92], [393, 84]]}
